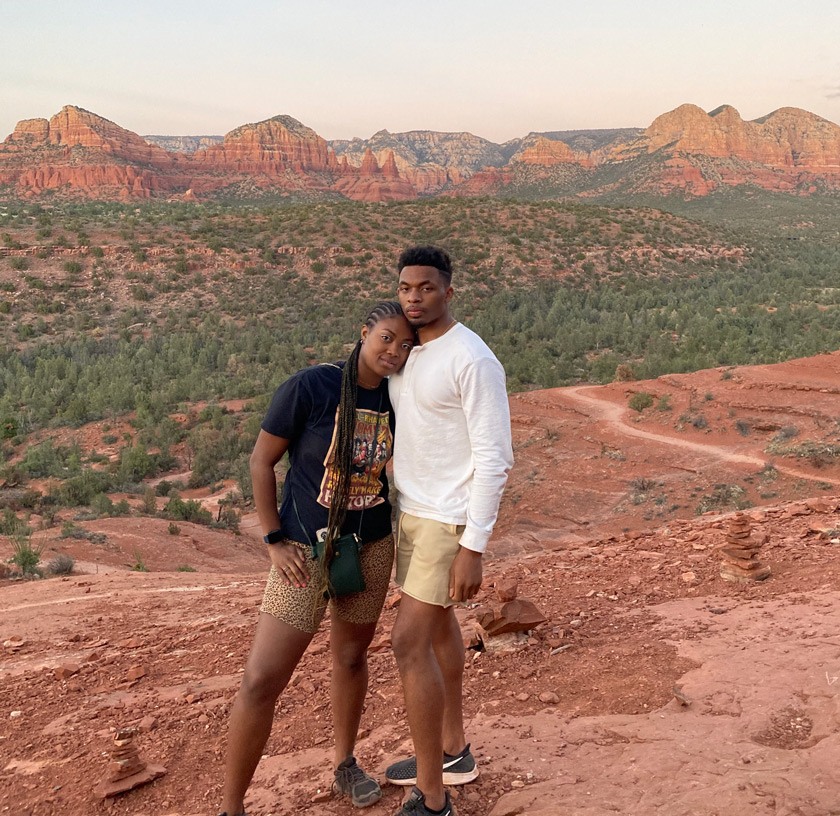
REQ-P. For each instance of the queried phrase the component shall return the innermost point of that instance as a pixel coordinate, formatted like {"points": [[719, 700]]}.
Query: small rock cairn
{"points": [[126, 769], [739, 553]]}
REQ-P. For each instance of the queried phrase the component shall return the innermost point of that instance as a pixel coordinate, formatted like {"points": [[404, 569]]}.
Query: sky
{"points": [[347, 69]]}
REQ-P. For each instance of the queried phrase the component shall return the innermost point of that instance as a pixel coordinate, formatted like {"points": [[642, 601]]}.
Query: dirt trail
{"points": [[613, 413]]}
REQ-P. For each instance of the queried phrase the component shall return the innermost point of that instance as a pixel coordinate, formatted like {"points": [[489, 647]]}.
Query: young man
{"points": [[452, 455]]}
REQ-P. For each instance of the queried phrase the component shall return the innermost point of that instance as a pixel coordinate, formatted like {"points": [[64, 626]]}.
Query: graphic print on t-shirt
{"points": [[371, 449]]}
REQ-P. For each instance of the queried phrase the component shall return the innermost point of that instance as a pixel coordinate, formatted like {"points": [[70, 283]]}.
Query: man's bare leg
{"points": [[449, 651], [413, 638]]}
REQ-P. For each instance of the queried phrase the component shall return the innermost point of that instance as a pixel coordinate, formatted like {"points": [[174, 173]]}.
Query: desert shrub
{"points": [[25, 555], [83, 488], [189, 510], [163, 488], [700, 422], [785, 433], [62, 564], [743, 427], [227, 517], [11, 525], [173, 528], [70, 530], [185, 568], [135, 464], [624, 373], [640, 400], [72, 267], [19, 264], [642, 485], [664, 403], [149, 506], [49, 459], [19, 498], [724, 497], [139, 564]]}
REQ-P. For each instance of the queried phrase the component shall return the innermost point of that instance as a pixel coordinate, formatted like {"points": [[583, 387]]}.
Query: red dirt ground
{"points": [[677, 694]]}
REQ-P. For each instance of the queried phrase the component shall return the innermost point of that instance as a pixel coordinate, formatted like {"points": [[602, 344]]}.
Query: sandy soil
{"points": [[653, 687]]}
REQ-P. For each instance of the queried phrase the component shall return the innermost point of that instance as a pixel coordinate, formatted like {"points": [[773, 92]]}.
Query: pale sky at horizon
{"points": [[496, 69]]}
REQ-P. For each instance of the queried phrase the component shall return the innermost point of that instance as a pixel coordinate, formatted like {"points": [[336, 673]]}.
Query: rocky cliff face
{"points": [[787, 150], [430, 161], [183, 144], [686, 150], [78, 152]]}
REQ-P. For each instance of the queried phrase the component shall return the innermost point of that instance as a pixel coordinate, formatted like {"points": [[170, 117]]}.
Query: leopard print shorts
{"points": [[301, 609]]}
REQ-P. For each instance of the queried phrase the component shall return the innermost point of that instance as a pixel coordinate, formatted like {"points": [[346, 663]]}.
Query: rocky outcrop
{"points": [[372, 182], [269, 147], [80, 153], [540, 151], [686, 150], [184, 144], [787, 150], [429, 161]]}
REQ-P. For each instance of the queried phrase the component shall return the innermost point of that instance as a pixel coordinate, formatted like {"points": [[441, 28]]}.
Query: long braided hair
{"points": [[345, 437]]}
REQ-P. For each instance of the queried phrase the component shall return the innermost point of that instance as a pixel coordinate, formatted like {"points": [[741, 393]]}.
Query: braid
{"points": [[345, 437]]}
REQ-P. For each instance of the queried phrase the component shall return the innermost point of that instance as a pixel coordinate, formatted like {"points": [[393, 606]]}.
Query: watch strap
{"points": [[273, 536]]}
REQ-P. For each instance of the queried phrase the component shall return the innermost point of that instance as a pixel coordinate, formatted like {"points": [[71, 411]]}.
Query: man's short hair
{"points": [[427, 255]]}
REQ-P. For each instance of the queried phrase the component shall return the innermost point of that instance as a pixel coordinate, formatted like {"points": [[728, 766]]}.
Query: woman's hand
{"points": [[290, 562]]}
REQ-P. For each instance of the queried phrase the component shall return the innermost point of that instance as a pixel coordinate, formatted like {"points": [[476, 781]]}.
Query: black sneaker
{"points": [[415, 805], [457, 770], [352, 781]]}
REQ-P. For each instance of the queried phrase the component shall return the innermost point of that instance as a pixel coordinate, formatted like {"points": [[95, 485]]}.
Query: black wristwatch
{"points": [[273, 537]]}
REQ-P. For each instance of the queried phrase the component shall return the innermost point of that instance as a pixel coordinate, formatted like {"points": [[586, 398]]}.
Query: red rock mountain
{"points": [[686, 150]]}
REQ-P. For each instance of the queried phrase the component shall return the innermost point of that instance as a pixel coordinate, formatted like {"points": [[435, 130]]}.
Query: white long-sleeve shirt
{"points": [[452, 448]]}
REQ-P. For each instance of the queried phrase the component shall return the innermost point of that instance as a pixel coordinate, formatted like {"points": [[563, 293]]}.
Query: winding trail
{"points": [[613, 414]]}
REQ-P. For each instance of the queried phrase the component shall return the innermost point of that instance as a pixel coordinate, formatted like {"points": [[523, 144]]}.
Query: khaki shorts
{"points": [[425, 551], [301, 608]]}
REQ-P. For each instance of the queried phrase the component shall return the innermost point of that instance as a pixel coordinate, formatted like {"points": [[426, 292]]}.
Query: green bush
{"points": [[640, 400], [11, 525], [25, 555], [189, 510], [83, 488]]}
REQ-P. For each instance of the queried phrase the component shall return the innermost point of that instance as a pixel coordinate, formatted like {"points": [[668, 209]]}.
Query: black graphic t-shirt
{"points": [[304, 410]]}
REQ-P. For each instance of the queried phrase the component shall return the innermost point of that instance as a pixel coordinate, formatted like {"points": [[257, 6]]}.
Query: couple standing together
{"points": [[424, 387]]}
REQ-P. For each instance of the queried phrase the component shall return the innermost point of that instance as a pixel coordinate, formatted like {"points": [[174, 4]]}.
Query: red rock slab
{"points": [[115, 787]]}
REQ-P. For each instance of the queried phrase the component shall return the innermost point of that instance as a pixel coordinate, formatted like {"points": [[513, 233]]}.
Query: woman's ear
{"points": [[364, 333]]}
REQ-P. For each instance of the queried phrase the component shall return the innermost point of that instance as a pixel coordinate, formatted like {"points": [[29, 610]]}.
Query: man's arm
{"points": [[485, 403]]}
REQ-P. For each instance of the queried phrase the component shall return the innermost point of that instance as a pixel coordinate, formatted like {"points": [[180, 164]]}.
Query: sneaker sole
{"points": [[449, 778], [367, 801]]}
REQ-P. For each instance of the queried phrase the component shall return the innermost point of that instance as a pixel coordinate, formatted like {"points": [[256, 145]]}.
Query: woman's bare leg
{"points": [[276, 651], [348, 643]]}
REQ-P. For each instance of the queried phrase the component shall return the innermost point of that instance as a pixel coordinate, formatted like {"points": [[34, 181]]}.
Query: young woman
{"points": [[336, 422]]}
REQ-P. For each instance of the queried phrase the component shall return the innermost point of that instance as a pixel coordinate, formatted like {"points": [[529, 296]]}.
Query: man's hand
{"points": [[465, 575], [290, 562]]}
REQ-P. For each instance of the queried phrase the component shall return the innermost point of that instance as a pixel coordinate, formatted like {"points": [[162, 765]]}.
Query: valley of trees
{"points": [[108, 310]]}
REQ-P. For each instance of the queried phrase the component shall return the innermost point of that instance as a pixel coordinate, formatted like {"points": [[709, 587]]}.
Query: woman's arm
{"points": [[268, 451], [287, 559]]}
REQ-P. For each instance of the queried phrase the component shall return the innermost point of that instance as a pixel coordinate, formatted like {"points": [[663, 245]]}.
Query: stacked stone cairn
{"points": [[739, 553], [126, 769]]}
